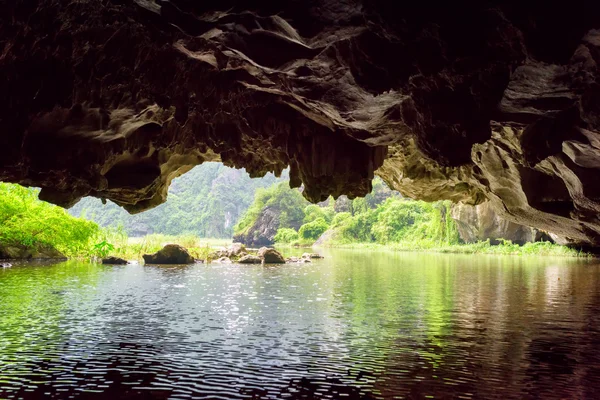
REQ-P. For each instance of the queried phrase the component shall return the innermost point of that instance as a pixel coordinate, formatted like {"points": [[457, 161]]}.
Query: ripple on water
{"points": [[354, 326]]}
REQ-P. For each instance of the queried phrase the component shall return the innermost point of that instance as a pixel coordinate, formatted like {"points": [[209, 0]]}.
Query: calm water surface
{"points": [[354, 325]]}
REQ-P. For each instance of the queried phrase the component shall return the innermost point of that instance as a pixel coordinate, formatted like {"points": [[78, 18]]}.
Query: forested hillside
{"points": [[207, 202], [280, 214]]}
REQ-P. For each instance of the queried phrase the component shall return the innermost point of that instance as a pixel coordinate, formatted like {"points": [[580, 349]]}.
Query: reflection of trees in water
{"points": [[497, 325], [365, 325]]}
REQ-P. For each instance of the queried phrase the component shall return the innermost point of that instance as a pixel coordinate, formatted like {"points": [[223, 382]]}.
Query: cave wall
{"points": [[469, 100]]}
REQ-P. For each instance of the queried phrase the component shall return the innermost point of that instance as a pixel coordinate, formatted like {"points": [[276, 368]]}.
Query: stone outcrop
{"points": [[270, 256], [170, 254], [496, 100], [481, 222], [39, 251], [114, 261], [264, 229], [236, 249], [250, 259]]}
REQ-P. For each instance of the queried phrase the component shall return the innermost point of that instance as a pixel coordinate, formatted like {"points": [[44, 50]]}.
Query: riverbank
{"points": [[134, 248], [506, 248]]}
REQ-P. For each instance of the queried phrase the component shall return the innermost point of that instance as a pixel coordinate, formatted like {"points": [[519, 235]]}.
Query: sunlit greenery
{"points": [[27, 221], [206, 202], [383, 219], [287, 203]]}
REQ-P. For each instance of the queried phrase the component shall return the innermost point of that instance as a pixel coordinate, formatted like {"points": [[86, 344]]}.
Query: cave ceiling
{"points": [[468, 101]]}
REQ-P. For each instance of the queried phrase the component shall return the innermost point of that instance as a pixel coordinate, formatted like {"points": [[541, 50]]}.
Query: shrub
{"points": [[314, 229], [286, 235]]}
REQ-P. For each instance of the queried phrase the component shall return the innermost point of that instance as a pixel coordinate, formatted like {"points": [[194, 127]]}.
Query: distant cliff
{"points": [[207, 201]]}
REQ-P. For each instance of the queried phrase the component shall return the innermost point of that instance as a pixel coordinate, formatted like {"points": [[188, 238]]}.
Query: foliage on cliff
{"points": [[206, 202], [28, 221]]}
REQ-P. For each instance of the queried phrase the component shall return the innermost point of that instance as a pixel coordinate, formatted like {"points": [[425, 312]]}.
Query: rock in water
{"points": [[224, 260], [270, 256], [170, 254], [235, 249], [311, 255], [250, 259], [114, 261]]}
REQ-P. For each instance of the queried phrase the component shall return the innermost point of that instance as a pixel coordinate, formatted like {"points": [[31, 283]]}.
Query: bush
{"points": [[27, 220], [314, 229], [286, 235]]}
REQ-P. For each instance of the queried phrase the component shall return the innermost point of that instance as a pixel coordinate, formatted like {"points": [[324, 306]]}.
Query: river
{"points": [[355, 325]]}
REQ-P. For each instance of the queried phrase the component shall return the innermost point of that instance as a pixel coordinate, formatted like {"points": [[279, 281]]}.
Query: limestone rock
{"points": [[235, 249], [264, 229], [478, 223], [170, 254], [270, 256], [250, 259], [114, 261], [489, 100], [224, 260], [39, 251]]}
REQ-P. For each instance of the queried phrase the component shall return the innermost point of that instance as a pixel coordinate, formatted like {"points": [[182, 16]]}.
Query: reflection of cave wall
{"points": [[481, 100]]}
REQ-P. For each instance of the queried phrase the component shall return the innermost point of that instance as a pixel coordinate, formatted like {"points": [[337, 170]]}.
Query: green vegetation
{"points": [[283, 201], [383, 219], [286, 235], [27, 221], [134, 248], [485, 247], [205, 202]]}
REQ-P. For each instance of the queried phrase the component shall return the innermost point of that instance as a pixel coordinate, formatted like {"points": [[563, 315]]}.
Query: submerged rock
{"points": [[39, 251], [311, 255], [114, 261], [270, 256], [250, 259], [170, 254]]}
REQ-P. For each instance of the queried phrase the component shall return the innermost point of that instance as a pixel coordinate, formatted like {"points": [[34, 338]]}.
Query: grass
{"points": [[135, 248], [505, 248]]}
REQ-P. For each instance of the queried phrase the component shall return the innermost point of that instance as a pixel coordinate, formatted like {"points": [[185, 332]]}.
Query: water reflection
{"points": [[354, 325]]}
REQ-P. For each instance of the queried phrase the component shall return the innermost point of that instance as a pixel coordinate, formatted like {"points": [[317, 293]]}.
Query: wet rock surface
{"points": [[250, 259], [270, 256], [170, 254], [114, 261], [465, 101]]}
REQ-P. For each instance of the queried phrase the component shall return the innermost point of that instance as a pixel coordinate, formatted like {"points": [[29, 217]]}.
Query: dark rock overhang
{"points": [[457, 100]]}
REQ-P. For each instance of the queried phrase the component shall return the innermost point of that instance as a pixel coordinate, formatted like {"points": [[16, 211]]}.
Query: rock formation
{"points": [[263, 230], [270, 256], [38, 251], [170, 254], [114, 261], [480, 222], [250, 259], [467, 100]]}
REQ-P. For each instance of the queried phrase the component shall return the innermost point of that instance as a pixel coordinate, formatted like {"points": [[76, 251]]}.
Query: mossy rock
{"points": [[170, 254], [38, 251]]}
